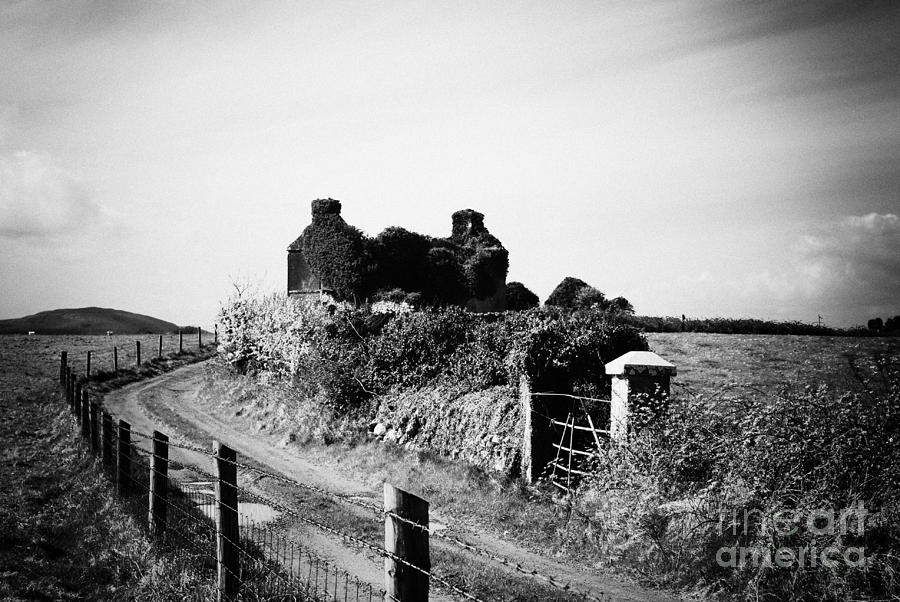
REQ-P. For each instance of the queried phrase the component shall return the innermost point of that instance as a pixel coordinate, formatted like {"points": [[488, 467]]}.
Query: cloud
{"points": [[857, 259], [848, 270], [39, 198]]}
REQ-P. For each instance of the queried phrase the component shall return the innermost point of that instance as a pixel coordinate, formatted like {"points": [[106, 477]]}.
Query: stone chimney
{"points": [[322, 207], [466, 223]]}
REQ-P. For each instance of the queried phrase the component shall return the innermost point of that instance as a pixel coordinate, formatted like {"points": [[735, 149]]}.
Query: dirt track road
{"points": [[169, 403]]}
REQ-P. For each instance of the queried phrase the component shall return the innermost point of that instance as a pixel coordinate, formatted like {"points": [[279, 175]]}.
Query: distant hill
{"points": [[86, 320]]}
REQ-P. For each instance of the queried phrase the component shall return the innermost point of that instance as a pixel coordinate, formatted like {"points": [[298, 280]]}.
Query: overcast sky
{"points": [[702, 158]]}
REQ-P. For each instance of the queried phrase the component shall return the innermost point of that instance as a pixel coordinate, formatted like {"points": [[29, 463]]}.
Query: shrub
{"points": [[352, 355], [401, 260], [518, 297], [567, 351], [446, 280], [413, 349], [676, 495], [620, 305], [588, 297], [565, 292], [484, 269]]}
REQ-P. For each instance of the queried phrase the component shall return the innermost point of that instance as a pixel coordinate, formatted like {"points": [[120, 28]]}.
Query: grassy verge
{"points": [[63, 533], [464, 499], [107, 380]]}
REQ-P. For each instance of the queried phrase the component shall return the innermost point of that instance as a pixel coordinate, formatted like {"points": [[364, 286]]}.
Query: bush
{"points": [[413, 349], [518, 297], [567, 352], [564, 295], [446, 280], [355, 354], [401, 260], [675, 497], [620, 305], [588, 297], [484, 269]]}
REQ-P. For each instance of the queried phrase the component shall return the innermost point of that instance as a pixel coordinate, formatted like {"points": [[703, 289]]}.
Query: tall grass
{"points": [[63, 533], [685, 498]]}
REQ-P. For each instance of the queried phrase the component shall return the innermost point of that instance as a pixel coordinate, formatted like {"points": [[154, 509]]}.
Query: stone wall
{"points": [[300, 278], [483, 428]]}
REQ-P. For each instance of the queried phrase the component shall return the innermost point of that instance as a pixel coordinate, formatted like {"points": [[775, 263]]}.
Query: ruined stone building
{"points": [[468, 268]]}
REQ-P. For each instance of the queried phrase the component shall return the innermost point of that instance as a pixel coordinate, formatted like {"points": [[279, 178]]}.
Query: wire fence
{"points": [[216, 524]]}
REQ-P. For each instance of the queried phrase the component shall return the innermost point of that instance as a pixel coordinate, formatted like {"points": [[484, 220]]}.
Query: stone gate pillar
{"points": [[640, 380]]}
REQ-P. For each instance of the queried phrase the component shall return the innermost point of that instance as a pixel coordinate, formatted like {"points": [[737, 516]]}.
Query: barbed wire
{"points": [[365, 544], [534, 573], [548, 579]]}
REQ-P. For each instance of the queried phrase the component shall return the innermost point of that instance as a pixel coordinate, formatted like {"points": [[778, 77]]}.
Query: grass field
{"points": [[709, 363], [26, 362], [63, 536]]}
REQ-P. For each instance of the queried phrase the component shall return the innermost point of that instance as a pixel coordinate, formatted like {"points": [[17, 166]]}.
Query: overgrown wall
{"points": [[443, 379], [483, 427]]}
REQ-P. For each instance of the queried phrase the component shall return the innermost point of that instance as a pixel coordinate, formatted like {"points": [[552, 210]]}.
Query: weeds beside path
{"points": [[63, 533], [173, 403]]}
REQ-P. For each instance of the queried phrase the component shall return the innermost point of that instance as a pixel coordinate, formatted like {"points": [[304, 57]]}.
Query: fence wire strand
{"points": [[276, 563]]}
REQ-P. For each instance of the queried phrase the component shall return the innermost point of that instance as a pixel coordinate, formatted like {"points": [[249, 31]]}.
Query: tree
{"points": [[518, 297], [588, 297], [621, 305], [876, 324], [564, 295]]}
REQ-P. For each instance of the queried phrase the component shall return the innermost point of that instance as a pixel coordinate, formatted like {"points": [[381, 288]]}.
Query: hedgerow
{"points": [[739, 326], [353, 354], [717, 478]]}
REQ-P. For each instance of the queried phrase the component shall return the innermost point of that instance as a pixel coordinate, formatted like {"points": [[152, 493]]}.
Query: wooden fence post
{"points": [[115, 359], [107, 440], [87, 367], [70, 394], [406, 542], [137, 350], [227, 533], [95, 427], [85, 414], [123, 474], [63, 364], [215, 334], [199, 338], [76, 398], [159, 484], [180, 341], [159, 353]]}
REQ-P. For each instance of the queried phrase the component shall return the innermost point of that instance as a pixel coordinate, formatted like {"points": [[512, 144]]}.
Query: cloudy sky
{"points": [[698, 157]]}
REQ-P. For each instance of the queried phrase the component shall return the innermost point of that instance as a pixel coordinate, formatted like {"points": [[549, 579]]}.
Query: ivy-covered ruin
{"points": [[466, 269]]}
